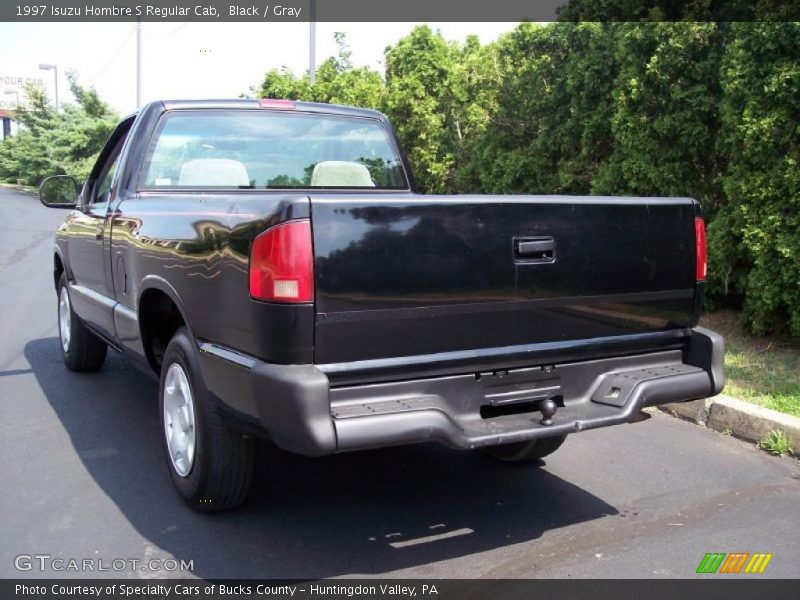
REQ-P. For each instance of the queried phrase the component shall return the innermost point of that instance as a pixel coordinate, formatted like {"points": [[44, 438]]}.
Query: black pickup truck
{"points": [[271, 262]]}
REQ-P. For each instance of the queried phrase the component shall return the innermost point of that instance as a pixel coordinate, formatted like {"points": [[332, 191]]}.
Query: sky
{"points": [[190, 60]]}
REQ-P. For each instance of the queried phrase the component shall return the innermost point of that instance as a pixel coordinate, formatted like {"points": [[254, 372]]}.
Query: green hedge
{"points": [[55, 143], [702, 109]]}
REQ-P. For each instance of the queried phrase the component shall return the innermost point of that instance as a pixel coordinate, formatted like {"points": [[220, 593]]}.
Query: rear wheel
{"points": [[210, 463], [526, 451], [82, 350]]}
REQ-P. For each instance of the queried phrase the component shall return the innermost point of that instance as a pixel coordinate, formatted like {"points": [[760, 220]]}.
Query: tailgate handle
{"points": [[535, 249]]}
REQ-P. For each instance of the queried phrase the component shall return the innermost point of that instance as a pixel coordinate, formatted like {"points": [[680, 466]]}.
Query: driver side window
{"points": [[104, 171], [103, 190]]}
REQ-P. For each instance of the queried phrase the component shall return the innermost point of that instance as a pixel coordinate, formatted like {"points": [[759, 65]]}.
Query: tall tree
{"points": [[548, 127], [420, 101], [761, 135], [51, 143], [337, 82], [28, 157], [665, 118]]}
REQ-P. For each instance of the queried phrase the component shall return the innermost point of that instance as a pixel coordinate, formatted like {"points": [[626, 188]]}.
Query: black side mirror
{"points": [[59, 191]]}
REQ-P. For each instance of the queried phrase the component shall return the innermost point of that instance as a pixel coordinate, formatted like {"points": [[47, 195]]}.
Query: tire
{"points": [[81, 349], [526, 451], [210, 464]]}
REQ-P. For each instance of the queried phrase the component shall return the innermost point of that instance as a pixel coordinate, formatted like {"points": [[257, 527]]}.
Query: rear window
{"points": [[271, 149]]}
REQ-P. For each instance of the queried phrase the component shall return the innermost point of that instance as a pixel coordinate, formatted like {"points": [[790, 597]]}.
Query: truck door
{"points": [[88, 246]]}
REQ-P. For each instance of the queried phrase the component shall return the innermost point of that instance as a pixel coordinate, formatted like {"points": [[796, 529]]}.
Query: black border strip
{"points": [[65, 11], [709, 588]]}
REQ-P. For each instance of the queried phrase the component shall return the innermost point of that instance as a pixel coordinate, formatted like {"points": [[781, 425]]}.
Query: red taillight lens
{"points": [[282, 264], [701, 252], [276, 103]]}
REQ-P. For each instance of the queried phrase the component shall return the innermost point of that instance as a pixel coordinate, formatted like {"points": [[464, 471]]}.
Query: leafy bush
{"points": [[53, 143], [761, 135], [702, 109], [706, 109]]}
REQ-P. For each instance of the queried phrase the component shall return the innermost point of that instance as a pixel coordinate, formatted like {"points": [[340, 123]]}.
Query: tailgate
{"points": [[401, 275]]}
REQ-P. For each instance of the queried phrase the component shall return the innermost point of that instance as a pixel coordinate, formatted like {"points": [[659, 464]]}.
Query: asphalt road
{"points": [[83, 476]]}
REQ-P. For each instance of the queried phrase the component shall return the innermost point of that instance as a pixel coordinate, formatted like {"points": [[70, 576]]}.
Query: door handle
{"points": [[535, 249]]}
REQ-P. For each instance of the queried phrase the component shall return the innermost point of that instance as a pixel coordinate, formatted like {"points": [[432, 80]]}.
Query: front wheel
{"points": [[526, 451], [210, 463], [81, 349]]}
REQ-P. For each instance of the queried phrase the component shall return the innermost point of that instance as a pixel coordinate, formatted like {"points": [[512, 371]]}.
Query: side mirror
{"points": [[59, 191]]}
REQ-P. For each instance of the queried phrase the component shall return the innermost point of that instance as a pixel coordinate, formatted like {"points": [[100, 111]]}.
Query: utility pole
{"points": [[54, 68], [312, 43], [138, 63]]}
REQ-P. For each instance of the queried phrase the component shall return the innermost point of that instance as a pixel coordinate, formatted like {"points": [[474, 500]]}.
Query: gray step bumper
{"points": [[303, 414]]}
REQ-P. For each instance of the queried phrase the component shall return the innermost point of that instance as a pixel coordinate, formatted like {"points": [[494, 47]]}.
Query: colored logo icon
{"points": [[734, 563]]}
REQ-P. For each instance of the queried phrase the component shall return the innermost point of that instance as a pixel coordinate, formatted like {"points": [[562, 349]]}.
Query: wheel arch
{"points": [[160, 313], [59, 267]]}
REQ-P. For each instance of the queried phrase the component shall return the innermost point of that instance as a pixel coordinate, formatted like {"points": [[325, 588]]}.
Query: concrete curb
{"points": [[18, 188], [742, 419]]}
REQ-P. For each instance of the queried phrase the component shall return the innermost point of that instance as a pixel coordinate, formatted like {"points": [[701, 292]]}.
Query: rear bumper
{"points": [[303, 413]]}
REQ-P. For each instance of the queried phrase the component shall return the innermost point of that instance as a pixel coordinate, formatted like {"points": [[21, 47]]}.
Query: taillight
{"points": [[282, 263], [701, 251], [276, 103]]}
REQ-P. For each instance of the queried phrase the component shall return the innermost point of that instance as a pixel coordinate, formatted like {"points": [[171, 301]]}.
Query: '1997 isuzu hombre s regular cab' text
{"points": [[273, 264]]}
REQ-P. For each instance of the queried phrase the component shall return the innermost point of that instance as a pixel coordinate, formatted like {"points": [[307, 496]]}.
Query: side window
{"points": [[103, 189], [98, 186]]}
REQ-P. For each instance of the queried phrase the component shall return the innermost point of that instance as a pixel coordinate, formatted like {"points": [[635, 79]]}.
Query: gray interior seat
{"points": [[338, 173], [214, 171]]}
